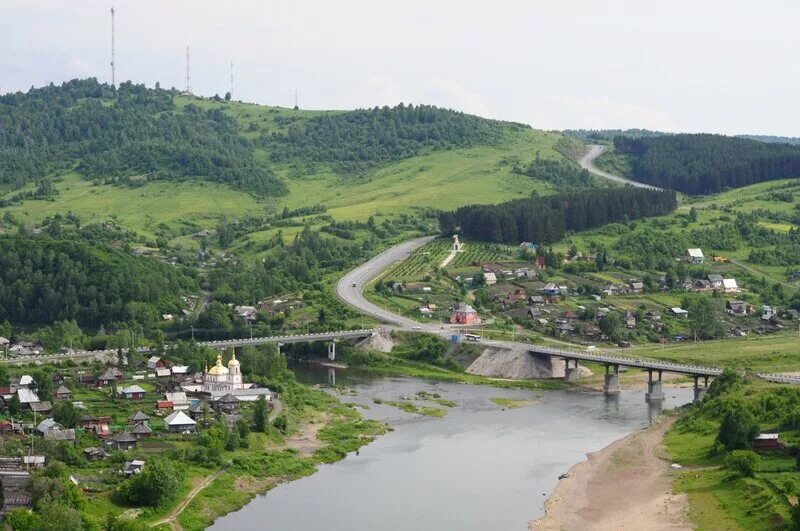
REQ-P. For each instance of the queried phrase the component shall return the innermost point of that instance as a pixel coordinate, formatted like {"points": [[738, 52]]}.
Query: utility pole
{"points": [[113, 73]]}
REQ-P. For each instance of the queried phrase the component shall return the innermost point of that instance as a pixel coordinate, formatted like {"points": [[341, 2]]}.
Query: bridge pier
{"points": [[332, 350], [700, 392], [654, 390], [611, 384], [571, 374]]}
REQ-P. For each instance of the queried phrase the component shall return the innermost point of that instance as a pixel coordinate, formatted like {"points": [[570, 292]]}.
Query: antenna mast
{"points": [[231, 91], [295, 99], [113, 73], [188, 77]]}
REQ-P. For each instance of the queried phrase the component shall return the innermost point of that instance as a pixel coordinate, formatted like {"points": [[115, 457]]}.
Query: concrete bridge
{"points": [[110, 355], [329, 337], [612, 363]]}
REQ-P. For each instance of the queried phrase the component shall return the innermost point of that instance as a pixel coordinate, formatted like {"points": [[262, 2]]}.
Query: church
{"points": [[223, 379]]}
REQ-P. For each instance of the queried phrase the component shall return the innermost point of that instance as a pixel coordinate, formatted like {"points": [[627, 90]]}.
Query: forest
{"points": [[704, 163], [557, 172], [116, 134], [379, 135], [45, 279], [548, 219]]}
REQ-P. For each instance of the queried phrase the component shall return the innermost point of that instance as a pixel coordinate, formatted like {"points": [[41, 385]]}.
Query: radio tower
{"points": [[231, 91], [188, 77], [113, 73]]}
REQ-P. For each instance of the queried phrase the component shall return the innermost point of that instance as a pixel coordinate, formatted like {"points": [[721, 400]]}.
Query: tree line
{"points": [[379, 135], [44, 279], [548, 219], [118, 133], [704, 163]]}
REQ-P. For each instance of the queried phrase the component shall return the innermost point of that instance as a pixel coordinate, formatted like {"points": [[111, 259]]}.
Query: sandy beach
{"points": [[626, 485]]}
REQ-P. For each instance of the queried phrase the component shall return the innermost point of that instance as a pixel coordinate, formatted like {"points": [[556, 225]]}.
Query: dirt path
{"points": [[627, 485], [188, 499]]}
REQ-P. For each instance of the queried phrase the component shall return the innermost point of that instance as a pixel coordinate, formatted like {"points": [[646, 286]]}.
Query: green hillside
{"points": [[438, 159]]}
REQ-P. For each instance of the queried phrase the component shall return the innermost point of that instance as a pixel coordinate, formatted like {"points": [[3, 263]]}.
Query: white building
{"points": [[221, 378]]}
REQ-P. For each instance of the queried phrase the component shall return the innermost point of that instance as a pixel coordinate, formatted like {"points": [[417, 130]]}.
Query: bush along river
{"points": [[460, 457]]}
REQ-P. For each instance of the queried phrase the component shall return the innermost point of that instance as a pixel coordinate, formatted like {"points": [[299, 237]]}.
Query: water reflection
{"points": [[480, 467]]}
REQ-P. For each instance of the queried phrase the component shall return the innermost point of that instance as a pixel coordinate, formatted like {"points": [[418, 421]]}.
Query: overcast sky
{"points": [[720, 66]]}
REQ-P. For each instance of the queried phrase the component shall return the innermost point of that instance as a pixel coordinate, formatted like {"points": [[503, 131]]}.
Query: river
{"points": [[481, 467]]}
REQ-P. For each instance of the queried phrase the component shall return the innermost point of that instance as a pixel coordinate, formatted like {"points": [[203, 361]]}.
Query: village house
{"points": [[101, 431], [58, 379], [180, 422], [163, 405], [248, 313], [738, 308], [87, 421], [138, 418], [565, 328], [766, 442], [48, 425], [636, 287], [133, 467], [701, 285], [534, 312], [715, 280], [4, 343], [42, 408], [767, 312], [516, 295], [62, 393], [490, 278], [141, 431], [729, 285], [34, 461], [88, 380], [550, 290], [567, 316], [179, 371], [26, 397], [94, 453], [629, 319], [65, 435], [464, 314], [694, 256], [163, 374], [678, 312], [132, 392], [111, 375], [154, 362], [226, 404], [652, 315], [536, 299], [178, 399], [123, 440]]}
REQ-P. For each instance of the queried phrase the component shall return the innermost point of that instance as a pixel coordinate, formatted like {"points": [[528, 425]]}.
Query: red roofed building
{"points": [[464, 314]]}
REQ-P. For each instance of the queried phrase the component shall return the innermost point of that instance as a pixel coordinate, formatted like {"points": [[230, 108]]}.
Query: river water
{"points": [[481, 467]]}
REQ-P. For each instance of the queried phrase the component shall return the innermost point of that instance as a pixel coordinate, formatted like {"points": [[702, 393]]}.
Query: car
{"points": [[416, 328], [354, 285]]}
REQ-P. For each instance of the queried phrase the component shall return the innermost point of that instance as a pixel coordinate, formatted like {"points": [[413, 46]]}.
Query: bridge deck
{"points": [[628, 362]]}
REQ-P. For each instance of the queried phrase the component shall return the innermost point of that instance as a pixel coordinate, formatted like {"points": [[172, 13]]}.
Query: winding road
{"points": [[587, 163]]}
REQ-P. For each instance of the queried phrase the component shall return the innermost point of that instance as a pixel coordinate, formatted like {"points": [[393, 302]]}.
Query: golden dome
{"points": [[218, 368], [233, 362]]}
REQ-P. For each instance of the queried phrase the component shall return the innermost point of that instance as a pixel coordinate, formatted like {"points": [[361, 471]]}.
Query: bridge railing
{"points": [[628, 362]]}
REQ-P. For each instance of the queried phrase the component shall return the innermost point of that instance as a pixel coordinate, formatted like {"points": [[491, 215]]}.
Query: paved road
{"points": [[350, 288], [587, 163]]}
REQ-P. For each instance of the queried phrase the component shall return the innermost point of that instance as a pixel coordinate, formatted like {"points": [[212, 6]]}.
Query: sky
{"points": [[693, 66]]}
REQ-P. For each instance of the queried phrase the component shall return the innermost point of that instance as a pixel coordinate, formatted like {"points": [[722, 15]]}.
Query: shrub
{"points": [[738, 429], [743, 462]]}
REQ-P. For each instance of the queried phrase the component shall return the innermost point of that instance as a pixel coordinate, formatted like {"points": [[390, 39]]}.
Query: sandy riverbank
{"points": [[626, 485]]}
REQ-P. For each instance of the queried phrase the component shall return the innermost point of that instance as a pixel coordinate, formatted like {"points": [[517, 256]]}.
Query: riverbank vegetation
{"points": [[728, 484]]}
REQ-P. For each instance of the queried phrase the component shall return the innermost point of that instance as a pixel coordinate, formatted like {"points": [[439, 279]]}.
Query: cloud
{"points": [[458, 97], [604, 113], [82, 67], [384, 91]]}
